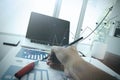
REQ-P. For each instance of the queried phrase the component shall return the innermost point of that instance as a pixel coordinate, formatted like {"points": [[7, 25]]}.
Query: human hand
{"points": [[75, 67], [61, 57], [53, 62]]}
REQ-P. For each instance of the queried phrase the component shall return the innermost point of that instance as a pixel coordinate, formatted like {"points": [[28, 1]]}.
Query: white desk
{"points": [[10, 59], [4, 49]]}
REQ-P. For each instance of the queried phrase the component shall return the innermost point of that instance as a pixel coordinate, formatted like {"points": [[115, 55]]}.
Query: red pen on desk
{"points": [[26, 69]]}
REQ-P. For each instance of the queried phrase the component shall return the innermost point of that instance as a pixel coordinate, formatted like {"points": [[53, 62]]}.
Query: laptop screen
{"points": [[48, 30]]}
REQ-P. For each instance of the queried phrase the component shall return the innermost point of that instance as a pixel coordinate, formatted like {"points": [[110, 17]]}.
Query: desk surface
{"points": [[9, 61], [4, 49], [13, 62]]}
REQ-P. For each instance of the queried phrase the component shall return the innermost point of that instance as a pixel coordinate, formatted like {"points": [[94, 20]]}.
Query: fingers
{"points": [[60, 56], [63, 50], [53, 62], [64, 54], [54, 65]]}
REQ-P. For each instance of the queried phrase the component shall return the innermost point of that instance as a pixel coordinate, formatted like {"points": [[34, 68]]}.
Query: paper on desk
{"points": [[36, 74], [11, 64]]}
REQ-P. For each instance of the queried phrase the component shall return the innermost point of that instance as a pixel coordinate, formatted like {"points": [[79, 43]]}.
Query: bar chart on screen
{"points": [[31, 54], [36, 74]]}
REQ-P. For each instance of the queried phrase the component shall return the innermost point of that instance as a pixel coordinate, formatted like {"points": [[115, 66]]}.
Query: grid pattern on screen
{"points": [[36, 74], [31, 54]]}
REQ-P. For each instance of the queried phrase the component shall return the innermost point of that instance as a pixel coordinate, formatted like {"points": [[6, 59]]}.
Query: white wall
{"points": [[15, 14], [10, 17]]}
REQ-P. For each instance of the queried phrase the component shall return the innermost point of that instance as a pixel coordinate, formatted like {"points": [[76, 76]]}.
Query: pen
{"points": [[26, 69], [75, 41], [65, 46]]}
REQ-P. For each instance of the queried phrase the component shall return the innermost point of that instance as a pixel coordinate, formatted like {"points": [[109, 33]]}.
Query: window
{"points": [[16, 13], [70, 10], [94, 14]]}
